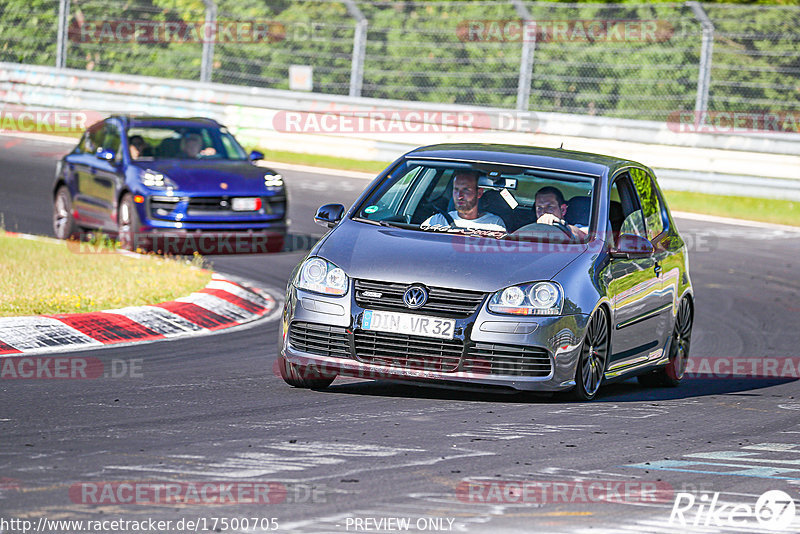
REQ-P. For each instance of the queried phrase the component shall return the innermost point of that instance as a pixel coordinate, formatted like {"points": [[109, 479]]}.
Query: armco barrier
{"points": [[752, 164]]}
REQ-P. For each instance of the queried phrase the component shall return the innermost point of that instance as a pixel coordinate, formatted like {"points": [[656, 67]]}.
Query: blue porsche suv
{"points": [[168, 184]]}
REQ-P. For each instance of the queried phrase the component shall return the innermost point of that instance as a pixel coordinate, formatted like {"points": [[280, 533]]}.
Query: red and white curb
{"points": [[224, 303]]}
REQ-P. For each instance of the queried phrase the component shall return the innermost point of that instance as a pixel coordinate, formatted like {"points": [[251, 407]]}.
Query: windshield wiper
{"points": [[369, 221], [392, 224]]}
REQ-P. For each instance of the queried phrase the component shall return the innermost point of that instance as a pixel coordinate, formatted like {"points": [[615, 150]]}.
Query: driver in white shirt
{"points": [[466, 194]]}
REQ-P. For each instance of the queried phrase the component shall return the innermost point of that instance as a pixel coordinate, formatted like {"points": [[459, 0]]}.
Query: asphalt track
{"points": [[362, 452]]}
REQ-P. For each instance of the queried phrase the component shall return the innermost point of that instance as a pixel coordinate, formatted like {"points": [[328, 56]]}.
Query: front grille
{"points": [[516, 360], [441, 301], [275, 206], [408, 352], [320, 339], [208, 205]]}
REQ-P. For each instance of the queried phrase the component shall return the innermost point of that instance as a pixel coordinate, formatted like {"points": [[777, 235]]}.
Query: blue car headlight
{"points": [[321, 276], [156, 180], [273, 180], [535, 298]]}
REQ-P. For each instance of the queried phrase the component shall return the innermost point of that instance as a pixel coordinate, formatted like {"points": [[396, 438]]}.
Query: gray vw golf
{"points": [[494, 265]]}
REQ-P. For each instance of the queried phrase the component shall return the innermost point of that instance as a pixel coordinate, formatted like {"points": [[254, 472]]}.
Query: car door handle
{"points": [[657, 269]]}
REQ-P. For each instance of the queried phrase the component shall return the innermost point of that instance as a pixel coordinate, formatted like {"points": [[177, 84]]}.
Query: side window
{"points": [[388, 202], [230, 149], [207, 141], [625, 214], [112, 140], [651, 207], [80, 149], [395, 193], [94, 139], [440, 188]]}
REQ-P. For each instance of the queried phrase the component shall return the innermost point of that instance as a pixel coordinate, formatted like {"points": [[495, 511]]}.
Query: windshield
{"points": [[498, 201], [148, 143]]}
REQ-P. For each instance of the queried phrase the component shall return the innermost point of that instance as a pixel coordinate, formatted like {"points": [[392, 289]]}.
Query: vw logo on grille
{"points": [[415, 297]]}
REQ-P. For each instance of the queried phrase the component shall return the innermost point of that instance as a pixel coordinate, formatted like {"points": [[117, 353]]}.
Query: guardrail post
{"points": [[209, 36], [526, 61], [359, 48], [61, 39], [706, 51]]}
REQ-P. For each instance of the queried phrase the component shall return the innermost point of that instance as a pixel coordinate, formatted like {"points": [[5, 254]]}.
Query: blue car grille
{"points": [[514, 360], [164, 207], [223, 205]]}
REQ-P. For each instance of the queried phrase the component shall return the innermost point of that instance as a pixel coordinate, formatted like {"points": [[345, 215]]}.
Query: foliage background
{"points": [[414, 52]]}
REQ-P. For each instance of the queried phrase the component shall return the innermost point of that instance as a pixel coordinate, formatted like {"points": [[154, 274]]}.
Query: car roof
{"points": [[168, 121], [527, 156]]}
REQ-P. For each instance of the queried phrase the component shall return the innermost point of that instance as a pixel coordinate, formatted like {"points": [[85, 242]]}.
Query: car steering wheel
{"points": [[565, 228], [546, 228]]}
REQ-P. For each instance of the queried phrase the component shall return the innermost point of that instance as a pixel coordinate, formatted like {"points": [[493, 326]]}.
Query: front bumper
{"points": [[559, 337]]}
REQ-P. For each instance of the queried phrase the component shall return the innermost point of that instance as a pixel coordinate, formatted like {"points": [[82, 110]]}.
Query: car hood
{"points": [[407, 256], [207, 176]]}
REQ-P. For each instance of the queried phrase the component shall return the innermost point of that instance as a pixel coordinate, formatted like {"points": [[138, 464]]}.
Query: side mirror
{"points": [[105, 155], [255, 155], [329, 214], [632, 246]]}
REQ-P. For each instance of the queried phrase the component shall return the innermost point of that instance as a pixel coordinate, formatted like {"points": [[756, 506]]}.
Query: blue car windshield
{"points": [[489, 200], [148, 143]]}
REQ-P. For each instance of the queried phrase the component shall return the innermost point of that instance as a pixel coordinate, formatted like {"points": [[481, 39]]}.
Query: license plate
{"points": [[245, 204], [407, 323]]}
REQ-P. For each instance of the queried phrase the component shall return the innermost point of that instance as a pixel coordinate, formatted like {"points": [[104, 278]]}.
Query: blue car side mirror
{"points": [[255, 155]]}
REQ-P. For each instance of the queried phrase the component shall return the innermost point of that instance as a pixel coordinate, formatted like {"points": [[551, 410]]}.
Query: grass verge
{"points": [[330, 162], [40, 277], [755, 209]]}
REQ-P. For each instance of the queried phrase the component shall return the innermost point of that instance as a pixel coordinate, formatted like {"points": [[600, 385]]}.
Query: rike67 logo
{"points": [[774, 510]]}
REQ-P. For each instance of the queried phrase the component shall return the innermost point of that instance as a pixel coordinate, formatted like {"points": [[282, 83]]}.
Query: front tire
{"points": [[128, 222], [593, 358], [301, 376], [64, 225], [672, 373]]}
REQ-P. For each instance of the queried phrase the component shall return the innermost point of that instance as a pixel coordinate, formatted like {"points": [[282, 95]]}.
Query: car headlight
{"points": [[536, 298], [156, 180], [321, 276], [273, 180]]}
